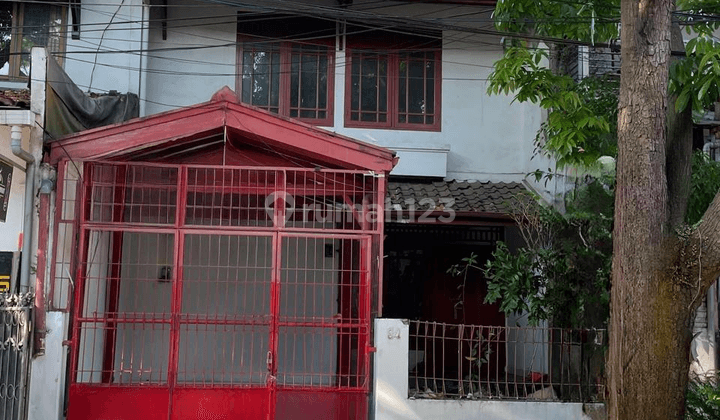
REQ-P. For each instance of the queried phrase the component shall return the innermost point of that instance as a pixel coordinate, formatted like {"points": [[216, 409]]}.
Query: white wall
{"points": [[390, 390], [117, 65], [533, 356], [178, 78], [12, 228], [488, 137]]}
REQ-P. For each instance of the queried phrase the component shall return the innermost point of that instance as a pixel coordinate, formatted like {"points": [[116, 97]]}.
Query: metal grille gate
{"points": [[223, 293], [15, 353]]}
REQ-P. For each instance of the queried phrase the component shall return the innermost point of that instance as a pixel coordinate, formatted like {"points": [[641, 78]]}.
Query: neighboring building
{"points": [[232, 255]]}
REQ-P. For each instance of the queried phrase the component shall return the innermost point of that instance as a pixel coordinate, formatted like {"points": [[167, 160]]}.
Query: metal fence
{"points": [[448, 361], [15, 353], [239, 284]]}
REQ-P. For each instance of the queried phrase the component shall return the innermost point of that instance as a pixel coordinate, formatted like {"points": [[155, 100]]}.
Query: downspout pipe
{"points": [[16, 147]]}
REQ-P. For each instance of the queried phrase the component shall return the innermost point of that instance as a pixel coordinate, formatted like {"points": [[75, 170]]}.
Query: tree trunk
{"points": [[650, 309]]}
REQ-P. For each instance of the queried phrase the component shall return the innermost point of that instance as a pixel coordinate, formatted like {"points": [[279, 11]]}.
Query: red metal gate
{"points": [[223, 292]]}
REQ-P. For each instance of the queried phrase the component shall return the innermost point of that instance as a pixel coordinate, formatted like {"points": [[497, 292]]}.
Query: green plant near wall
{"points": [[563, 272], [702, 399]]}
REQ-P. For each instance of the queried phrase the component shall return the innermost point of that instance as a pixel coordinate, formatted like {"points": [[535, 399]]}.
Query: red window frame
{"points": [[394, 81], [287, 51]]}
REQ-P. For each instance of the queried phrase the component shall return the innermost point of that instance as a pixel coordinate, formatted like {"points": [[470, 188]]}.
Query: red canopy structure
{"points": [[221, 261]]}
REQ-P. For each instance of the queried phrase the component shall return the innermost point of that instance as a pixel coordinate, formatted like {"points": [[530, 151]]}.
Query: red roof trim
{"points": [[223, 110]]}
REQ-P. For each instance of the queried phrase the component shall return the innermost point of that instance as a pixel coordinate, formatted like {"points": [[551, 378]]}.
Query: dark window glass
{"points": [[369, 88], [295, 80], [261, 76], [416, 88], [23, 26], [412, 93]]}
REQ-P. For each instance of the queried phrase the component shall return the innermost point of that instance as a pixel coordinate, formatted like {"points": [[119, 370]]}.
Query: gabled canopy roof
{"points": [[216, 123]]}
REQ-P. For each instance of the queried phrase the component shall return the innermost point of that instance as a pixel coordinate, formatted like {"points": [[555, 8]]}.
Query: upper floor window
{"points": [[393, 83], [286, 66], [23, 26]]}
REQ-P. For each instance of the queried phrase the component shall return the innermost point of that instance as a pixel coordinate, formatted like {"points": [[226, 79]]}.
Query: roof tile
{"points": [[468, 196]]}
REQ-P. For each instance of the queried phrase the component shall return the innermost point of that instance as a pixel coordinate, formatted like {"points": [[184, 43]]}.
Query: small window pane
{"points": [[24, 25], [416, 87], [369, 116], [369, 85], [429, 90], [382, 88], [355, 89], [39, 29], [309, 80], [402, 89], [261, 76], [295, 82], [6, 16], [275, 81], [323, 85]]}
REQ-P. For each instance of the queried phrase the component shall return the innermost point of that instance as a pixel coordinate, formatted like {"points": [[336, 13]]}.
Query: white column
{"points": [[390, 385]]}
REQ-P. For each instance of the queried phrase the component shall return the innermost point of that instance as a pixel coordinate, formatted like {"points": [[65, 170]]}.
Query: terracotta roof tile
{"points": [[15, 98], [475, 196]]}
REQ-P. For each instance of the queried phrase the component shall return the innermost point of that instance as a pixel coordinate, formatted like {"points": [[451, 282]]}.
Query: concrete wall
{"points": [[390, 391], [12, 228], [108, 54], [47, 380]]}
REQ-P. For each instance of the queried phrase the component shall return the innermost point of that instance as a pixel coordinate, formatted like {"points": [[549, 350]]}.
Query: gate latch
{"points": [[269, 361]]}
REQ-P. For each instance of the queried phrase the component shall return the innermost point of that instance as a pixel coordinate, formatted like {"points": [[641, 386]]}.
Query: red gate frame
{"points": [[84, 397]]}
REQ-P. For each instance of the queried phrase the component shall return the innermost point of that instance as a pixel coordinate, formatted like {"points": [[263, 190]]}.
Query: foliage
{"points": [[705, 183], [593, 21], [695, 79], [563, 273], [702, 399], [582, 116]]}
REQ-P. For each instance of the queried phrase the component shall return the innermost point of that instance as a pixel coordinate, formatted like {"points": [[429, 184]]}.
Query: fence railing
{"points": [[448, 361], [15, 353]]}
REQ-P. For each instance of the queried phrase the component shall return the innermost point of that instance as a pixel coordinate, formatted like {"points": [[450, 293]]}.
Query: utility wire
{"points": [[92, 73]]}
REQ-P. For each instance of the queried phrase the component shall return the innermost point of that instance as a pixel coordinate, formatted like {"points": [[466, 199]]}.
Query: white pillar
{"points": [[390, 384], [47, 375]]}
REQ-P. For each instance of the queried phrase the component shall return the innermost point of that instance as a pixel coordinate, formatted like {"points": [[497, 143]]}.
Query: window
{"points": [[23, 26], [394, 85], [286, 66]]}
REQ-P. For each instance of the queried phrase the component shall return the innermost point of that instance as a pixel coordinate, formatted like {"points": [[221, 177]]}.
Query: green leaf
{"points": [[682, 101], [703, 90]]}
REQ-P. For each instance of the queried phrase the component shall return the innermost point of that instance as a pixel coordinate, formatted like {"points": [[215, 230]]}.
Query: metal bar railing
{"points": [[449, 361], [15, 353]]}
